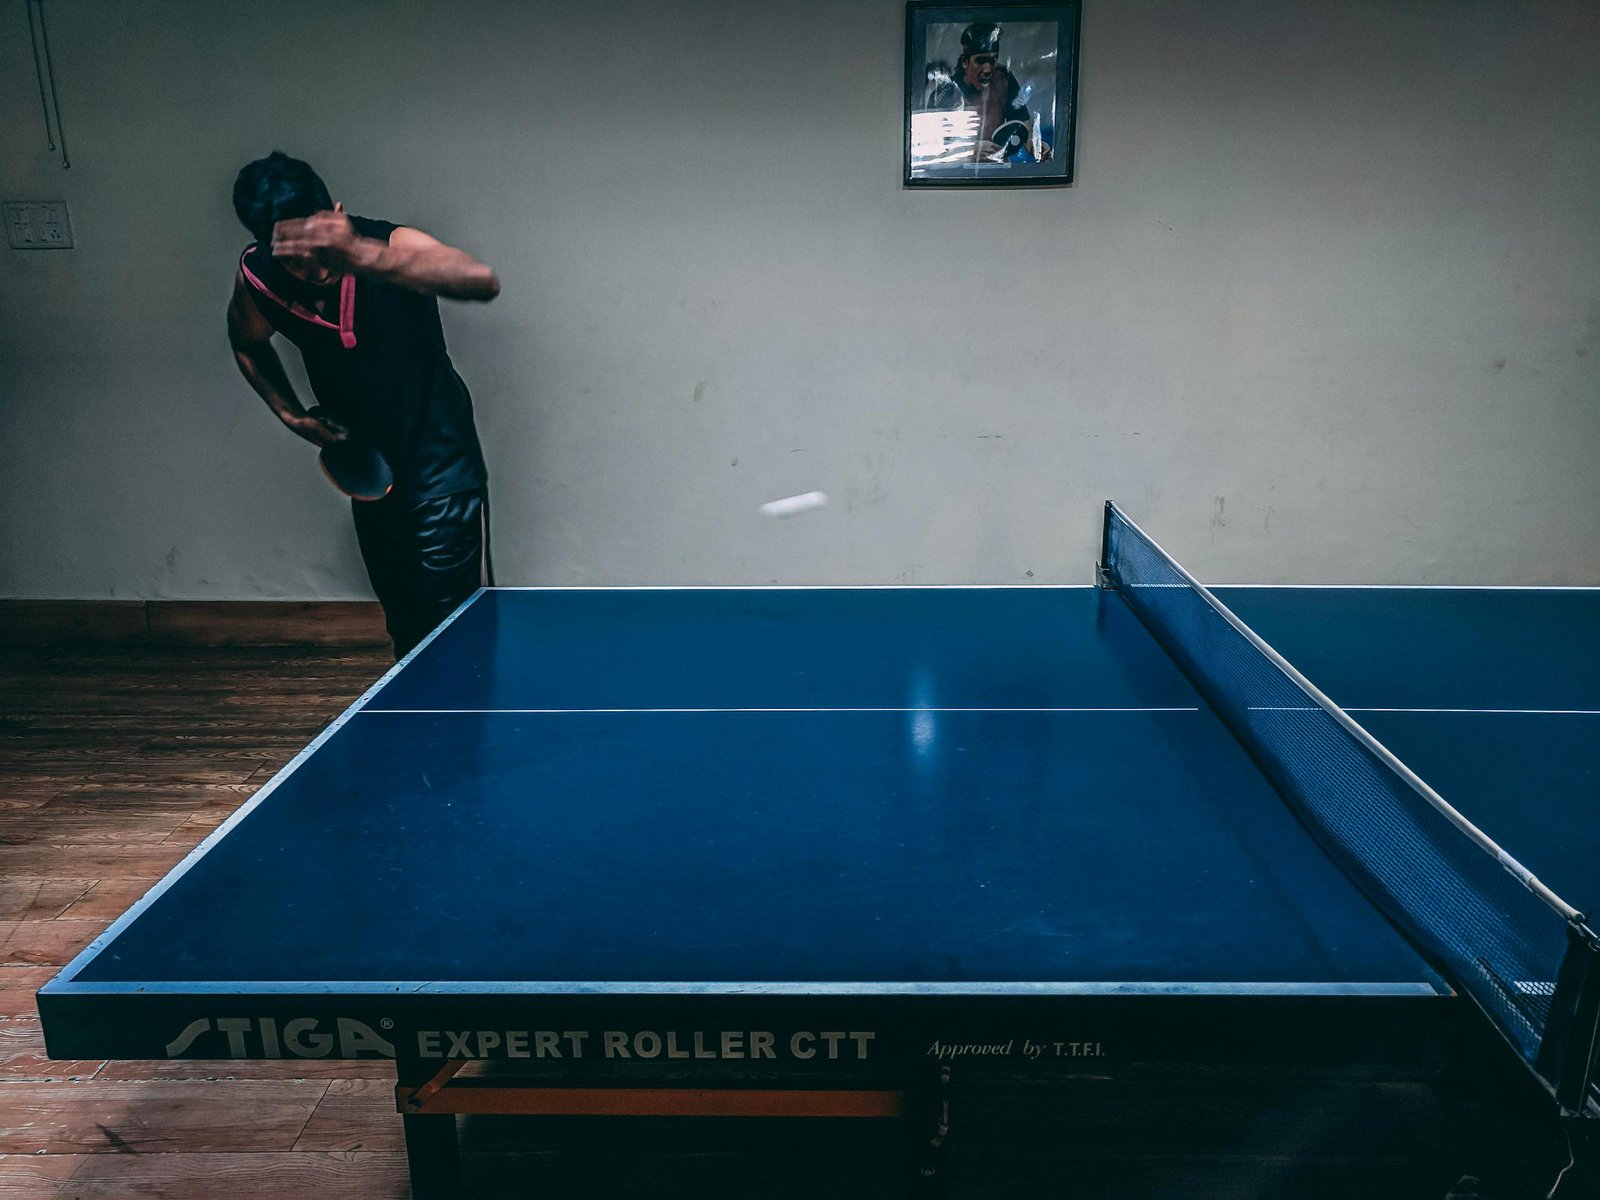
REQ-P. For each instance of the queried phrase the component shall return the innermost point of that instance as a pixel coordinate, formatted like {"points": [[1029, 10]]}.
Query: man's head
{"points": [[980, 53], [278, 188]]}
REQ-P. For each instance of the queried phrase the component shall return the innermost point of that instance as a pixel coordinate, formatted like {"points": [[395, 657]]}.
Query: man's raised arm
{"points": [[409, 258]]}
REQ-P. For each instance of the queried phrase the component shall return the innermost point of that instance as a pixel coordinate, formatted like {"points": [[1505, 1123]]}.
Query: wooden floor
{"points": [[114, 763]]}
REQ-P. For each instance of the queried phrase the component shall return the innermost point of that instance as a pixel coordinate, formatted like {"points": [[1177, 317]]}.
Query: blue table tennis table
{"points": [[870, 851]]}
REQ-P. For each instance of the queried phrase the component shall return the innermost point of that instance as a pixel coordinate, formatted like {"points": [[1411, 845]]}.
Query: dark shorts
{"points": [[424, 559]]}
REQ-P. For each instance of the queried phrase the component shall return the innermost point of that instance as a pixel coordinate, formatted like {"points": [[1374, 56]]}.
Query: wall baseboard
{"points": [[193, 622]]}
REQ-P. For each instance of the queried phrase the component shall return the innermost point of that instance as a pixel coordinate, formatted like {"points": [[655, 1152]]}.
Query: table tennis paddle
{"points": [[356, 467]]}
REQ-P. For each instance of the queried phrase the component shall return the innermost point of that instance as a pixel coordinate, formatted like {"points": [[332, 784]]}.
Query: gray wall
{"points": [[1321, 307]]}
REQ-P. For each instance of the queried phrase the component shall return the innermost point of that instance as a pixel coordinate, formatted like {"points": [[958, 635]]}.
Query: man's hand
{"points": [[318, 430], [324, 239]]}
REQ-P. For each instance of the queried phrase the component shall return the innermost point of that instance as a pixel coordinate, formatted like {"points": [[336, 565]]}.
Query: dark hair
{"points": [[277, 188], [980, 38]]}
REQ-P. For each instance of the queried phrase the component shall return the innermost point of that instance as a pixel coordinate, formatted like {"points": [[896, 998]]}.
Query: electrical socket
{"points": [[37, 224]]}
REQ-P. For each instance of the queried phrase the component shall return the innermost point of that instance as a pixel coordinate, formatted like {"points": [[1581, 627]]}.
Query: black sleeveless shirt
{"points": [[380, 367]]}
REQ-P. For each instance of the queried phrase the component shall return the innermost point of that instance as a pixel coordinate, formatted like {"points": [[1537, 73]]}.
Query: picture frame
{"points": [[990, 94]]}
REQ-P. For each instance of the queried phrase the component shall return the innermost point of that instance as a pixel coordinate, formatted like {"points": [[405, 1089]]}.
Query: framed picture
{"points": [[991, 94]]}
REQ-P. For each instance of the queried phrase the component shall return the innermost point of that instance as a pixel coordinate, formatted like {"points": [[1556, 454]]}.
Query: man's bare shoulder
{"points": [[245, 321]]}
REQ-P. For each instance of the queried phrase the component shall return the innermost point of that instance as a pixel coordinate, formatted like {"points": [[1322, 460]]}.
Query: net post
{"points": [[1568, 1051], [1103, 575]]}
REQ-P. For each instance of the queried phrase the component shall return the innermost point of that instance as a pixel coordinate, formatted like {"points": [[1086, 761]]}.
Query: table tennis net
{"points": [[1496, 939]]}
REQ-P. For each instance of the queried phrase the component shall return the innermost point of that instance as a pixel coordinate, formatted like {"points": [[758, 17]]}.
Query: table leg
{"points": [[927, 1128], [433, 1156], [432, 1152]]}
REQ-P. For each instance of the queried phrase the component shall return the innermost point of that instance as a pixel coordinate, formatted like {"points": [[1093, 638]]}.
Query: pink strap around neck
{"points": [[347, 304]]}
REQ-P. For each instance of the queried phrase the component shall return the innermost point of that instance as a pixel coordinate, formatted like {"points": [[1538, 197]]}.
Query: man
{"points": [[357, 297], [980, 84]]}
